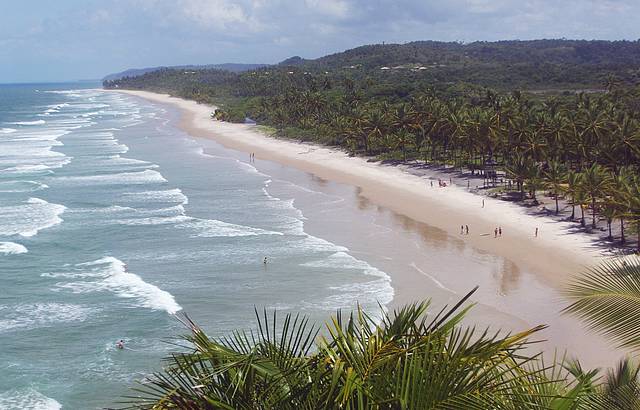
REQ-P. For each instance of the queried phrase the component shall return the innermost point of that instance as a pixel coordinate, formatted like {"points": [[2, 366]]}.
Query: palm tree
{"points": [[633, 201], [555, 178], [534, 181], [401, 124], [582, 200], [572, 189], [374, 128], [406, 361], [620, 197], [608, 210], [519, 170], [595, 183]]}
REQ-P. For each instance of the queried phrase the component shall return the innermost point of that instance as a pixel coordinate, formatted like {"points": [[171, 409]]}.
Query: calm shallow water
{"points": [[112, 220]]}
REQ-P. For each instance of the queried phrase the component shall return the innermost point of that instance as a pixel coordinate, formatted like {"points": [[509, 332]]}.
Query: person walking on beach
{"points": [[466, 227], [495, 233], [499, 231], [461, 229], [483, 203], [536, 231], [432, 183]]}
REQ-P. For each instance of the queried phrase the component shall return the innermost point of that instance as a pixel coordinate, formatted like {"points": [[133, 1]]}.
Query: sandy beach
{"points": [[552, 257]]}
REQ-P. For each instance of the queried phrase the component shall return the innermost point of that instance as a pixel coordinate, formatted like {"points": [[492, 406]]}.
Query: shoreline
{"points": [[556, 254], [547, 261]]}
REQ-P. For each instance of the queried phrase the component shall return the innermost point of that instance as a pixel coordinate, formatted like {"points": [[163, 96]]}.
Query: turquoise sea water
{"points": [[112, 220]]}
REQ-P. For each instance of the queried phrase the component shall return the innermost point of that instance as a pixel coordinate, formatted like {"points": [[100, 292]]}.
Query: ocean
{"points": [[112, 221]]}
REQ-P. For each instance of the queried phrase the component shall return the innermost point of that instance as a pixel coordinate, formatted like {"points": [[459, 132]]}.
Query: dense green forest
{"points": [[561, 116]]}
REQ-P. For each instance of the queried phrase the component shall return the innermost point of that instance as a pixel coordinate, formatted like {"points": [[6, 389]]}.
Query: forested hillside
{"points": [[134, 72], [504, 65]]}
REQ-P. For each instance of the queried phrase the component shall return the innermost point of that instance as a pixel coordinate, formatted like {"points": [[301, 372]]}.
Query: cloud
{"points": [[333, 8], [85, 38], [218, 14]]}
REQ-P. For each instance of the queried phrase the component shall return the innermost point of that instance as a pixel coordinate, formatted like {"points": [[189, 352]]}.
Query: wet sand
{"points": [[400, 224]]}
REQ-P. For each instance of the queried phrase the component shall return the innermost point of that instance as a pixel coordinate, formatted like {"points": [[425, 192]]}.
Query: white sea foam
{"points": [[12, 248], [36, 122], [21, 186], [28, 169], [101, 145], [205, 228], [210, 228], [7, 130], [346, 296], [89, 106], [47, 137], [371, 292], [58, 106], [123, 178], [27, 399], [37, 315], [155, 220], [117, 160], [54, 108], [166, 196], [70, 93], [342, 260], [29, 218], [113, 209], [112, 276], [29, 152]]}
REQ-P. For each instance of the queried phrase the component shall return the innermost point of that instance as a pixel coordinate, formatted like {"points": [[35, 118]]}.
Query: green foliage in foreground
{"points": [[607, 297], [412, 359]]}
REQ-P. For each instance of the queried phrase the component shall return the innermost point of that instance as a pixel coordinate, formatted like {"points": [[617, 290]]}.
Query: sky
{"points": [[62, 40]]}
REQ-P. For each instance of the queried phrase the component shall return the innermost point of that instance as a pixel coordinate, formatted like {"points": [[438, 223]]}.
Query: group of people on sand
{"points": [[252, 157], [497, 232], [441, 183], [464, 229]]}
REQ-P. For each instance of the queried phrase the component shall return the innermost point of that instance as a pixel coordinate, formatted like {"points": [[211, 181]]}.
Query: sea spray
{"points": [[29, 218], [112, 276]]}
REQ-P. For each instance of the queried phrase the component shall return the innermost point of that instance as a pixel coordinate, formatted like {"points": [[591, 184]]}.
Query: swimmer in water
{"points": [[120, 344], [265, 260]]}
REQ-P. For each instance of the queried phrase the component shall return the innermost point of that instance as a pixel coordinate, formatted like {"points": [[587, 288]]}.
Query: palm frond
{"points": [[607, 298]]}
